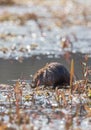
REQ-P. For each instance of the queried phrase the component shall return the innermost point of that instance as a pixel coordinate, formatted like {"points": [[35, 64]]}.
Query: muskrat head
{"points": [[53, 74], [37, 79]]}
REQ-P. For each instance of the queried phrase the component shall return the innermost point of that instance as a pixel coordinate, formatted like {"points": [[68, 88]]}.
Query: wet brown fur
{"points": [[53, 74]]}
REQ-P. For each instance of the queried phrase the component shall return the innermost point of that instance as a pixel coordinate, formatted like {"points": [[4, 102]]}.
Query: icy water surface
{"points": [[34, 29]]}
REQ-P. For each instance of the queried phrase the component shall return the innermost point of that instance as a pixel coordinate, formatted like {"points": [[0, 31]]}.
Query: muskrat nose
{"points": [[32, 84]]}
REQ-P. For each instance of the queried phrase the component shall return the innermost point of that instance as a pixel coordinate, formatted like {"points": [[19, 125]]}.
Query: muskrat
{"points": [[52, 74]]}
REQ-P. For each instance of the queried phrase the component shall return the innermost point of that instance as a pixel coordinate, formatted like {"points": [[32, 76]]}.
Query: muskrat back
{"points": [[53, 74]]}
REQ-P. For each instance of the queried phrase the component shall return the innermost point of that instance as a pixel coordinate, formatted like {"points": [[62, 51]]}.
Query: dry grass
{"points": [[72, 103]]}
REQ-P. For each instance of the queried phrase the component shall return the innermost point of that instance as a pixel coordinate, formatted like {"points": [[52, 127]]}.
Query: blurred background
{"points": [[41, 31]]}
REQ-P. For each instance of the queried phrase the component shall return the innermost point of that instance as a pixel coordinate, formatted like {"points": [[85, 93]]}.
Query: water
{"points": [[11, 70], [32, 34]]}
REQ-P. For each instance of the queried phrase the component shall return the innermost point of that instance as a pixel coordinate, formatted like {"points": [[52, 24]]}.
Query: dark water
{"points": [[13, 70]]}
